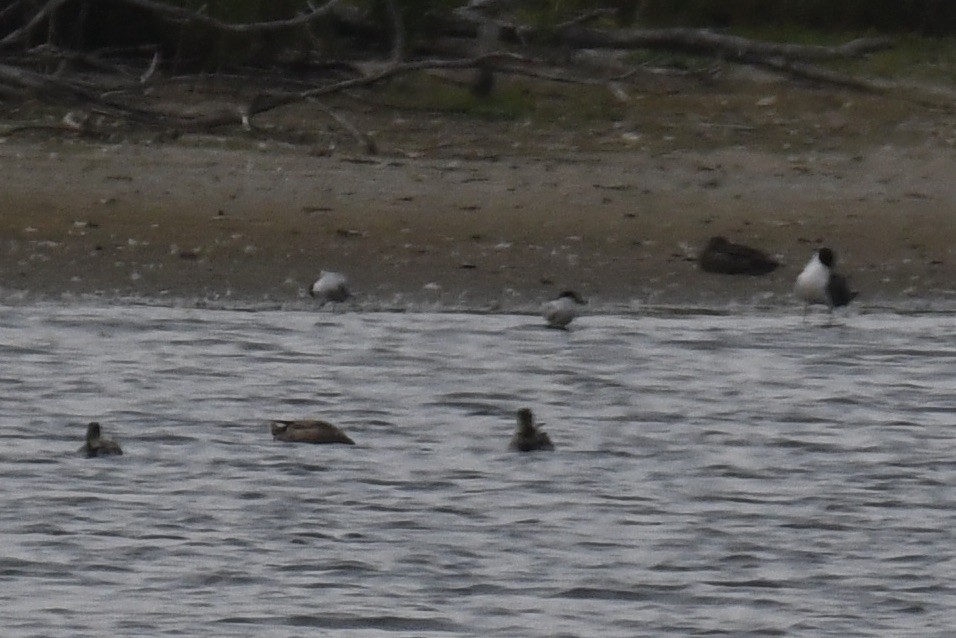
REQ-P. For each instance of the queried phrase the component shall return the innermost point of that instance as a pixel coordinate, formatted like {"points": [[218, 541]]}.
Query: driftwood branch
{"points": [[366, 140], [821, 75], [584, 18], [178, 14], [269, 101], [50, 52], [398, 31], [730, 47], [44, 85], [18, 35]]}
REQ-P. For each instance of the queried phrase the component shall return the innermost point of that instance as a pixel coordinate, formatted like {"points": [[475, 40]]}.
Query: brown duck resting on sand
{"points": [[723, 257], [528, 438], [308, 432], [96, 445]]}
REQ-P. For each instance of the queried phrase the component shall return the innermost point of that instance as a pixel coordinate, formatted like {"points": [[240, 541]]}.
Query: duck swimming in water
{"points": [[819, 284], [528, 437], [330, 286], [559, 312], [723, 257], [96, 445], [306, 431]]}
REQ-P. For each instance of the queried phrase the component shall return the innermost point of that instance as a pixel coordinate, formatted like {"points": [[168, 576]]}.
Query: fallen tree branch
{"points": [[21, 34], [703, 42], [410, 67], [819, 74], [44, 85], [398, 31], [364, 139], [262, 103], [265, 103], [933, 97], [50, 52], [10, 8], [24, 82], [584, 18], [180, 15]]}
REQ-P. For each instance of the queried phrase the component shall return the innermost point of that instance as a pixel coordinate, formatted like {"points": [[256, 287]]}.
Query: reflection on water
{"points": [[715, 475]]}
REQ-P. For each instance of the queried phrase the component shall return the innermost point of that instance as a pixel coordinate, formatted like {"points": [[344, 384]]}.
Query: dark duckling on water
{"points": [[96, 445], [307, 431], [723, 257], [528, 438]]}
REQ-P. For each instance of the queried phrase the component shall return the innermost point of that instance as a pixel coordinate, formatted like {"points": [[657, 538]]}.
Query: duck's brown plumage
{"points": [[307, 431], [96, 445], [528, 437], [723, 257]]}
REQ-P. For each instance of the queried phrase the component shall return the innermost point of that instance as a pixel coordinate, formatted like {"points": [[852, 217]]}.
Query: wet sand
{"points": [[200, 220]]}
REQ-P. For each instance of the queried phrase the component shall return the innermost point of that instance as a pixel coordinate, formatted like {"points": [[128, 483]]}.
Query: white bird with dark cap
{"points": [[330, 286], [561, 311], [819, 284]]}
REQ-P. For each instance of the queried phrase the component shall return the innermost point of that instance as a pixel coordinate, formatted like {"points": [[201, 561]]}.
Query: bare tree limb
{"points": [[10, 8], [410, 67], [266, 102], [585, 18], [23, 32], [707, 43], [55, 89], [825, 76], [366, 140], [52, 52], [398, 31], [147, 75], [178, 14], [39, 83]]}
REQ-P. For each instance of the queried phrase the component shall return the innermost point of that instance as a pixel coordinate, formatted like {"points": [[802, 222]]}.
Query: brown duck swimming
{"points": [[308, 432], [723, 257], [96, 445], [527, 437]]}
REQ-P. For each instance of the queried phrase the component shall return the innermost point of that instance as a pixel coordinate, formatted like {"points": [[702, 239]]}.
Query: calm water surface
{"points": [[715, 475]]}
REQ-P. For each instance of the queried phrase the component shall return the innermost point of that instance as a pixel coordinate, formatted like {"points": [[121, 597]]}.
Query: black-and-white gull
{"points": [[819, 284]]}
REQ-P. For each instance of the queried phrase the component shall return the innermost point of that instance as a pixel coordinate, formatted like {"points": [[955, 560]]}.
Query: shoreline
{"points": [[622, 228]]}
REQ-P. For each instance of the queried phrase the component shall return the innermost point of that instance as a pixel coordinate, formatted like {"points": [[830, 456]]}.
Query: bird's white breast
{"points": [[812, 283], [559, 312]]}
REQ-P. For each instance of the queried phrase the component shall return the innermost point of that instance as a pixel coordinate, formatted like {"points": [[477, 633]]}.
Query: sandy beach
{"points": [[617, 212]]}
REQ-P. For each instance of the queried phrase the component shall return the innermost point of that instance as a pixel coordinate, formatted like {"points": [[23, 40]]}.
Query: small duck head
{"points": [[525, 422], [96, 445], [278, 429], [93, 432]]}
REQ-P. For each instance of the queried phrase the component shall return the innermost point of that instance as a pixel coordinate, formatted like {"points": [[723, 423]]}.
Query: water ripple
{"points": [[714, 475]]}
